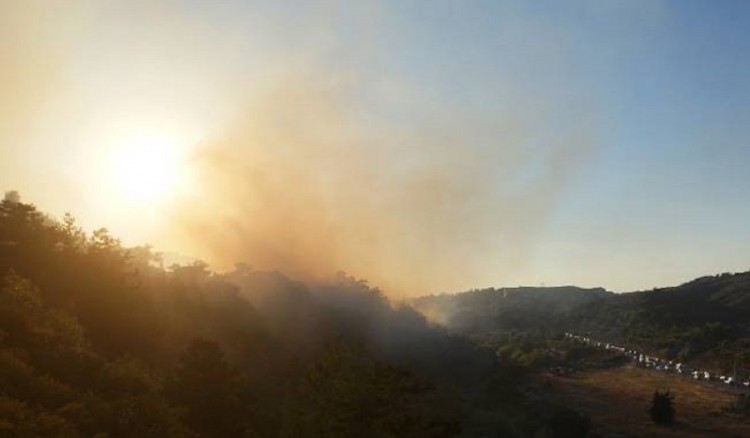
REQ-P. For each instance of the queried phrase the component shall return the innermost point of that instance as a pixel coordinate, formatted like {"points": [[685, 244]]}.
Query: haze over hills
{"points": [[90, 329], [100, 339], [279, 181], [423, 145]]}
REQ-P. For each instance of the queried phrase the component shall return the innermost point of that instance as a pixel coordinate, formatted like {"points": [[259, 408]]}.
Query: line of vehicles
{"points": [[660, 364]]}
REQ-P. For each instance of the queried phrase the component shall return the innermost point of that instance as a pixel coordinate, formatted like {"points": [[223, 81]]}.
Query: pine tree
{"points": [[662, 410]]}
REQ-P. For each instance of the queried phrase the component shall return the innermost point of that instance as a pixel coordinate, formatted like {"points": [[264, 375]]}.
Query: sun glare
{"points": [[147, 170]]}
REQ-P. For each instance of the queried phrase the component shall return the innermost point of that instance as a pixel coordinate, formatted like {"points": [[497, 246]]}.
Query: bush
{"points": [[662, 411]]}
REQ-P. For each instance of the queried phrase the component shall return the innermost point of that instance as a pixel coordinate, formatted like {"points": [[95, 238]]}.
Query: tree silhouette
{"points": [[12, 196], [206, 385], [662, 411], [100, 339]]}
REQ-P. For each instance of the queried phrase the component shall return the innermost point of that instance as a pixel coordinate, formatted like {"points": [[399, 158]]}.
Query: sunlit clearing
{"points": [[147, 170]]}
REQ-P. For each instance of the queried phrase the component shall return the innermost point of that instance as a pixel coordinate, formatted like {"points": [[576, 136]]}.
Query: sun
{"points": [[147, 170]]}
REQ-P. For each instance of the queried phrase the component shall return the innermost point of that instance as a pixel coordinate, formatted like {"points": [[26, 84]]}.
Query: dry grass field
{"points": [[617, 401]]}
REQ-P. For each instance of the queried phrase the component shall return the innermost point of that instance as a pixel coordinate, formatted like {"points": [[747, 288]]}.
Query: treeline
{"points": [[508, 309], [704, 322], [101, 340]]}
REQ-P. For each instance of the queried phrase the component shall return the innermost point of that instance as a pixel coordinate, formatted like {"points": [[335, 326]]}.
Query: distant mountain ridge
{"points": [[506, 308], [707, 318], [707, 304]]}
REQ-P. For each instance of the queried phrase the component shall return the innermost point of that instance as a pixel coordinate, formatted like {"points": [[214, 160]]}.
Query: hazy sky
{"points": [[425, 145]]}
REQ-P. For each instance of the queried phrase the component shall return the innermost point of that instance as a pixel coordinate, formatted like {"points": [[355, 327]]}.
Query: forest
{"points": [[97, 339], [703, 321]]}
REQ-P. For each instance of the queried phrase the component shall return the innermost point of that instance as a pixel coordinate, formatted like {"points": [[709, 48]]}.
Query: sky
{"points": [[425, 146]]}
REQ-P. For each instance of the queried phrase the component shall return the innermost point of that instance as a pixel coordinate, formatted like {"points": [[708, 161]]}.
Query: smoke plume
{"points": [[312, 180]]}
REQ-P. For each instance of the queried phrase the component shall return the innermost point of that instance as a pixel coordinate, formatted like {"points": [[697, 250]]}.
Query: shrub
{"points": [[662, 410]]}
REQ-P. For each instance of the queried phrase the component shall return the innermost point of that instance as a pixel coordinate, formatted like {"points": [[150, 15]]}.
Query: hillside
{"points": [[100, 339], [617, 409], [521, 308], [722, 299], [704, 320], [97, 339]]}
